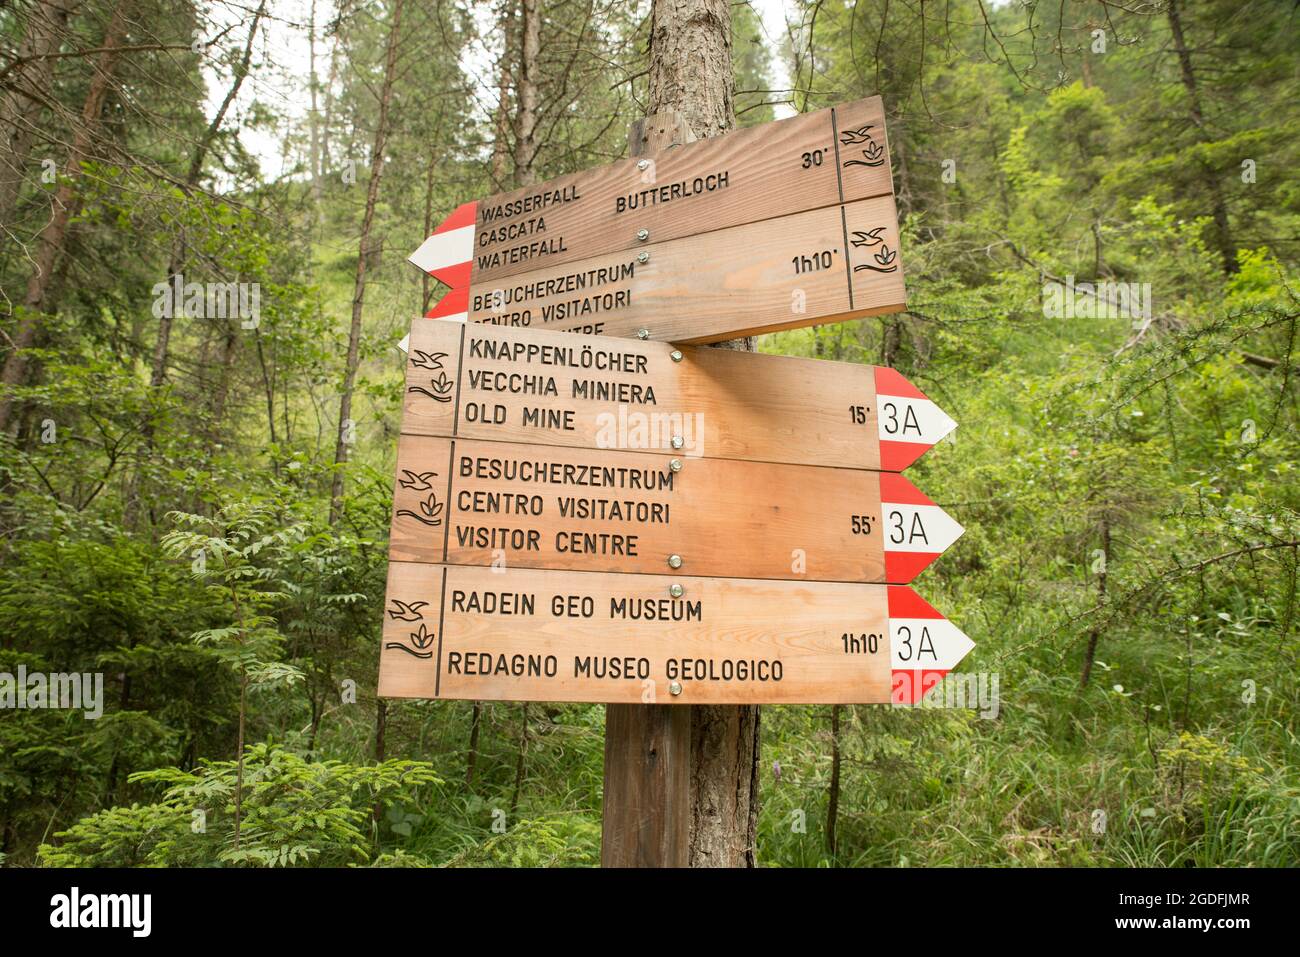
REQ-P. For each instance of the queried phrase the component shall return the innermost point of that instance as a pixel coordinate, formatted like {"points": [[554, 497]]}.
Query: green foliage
{"points": [[237, 554], [296, 813], [562, 842]]}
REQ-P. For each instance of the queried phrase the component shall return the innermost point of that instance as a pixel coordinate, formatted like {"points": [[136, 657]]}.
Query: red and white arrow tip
{"points": [[914, 530], [454, 307], [910, 424], [923, 645], [448, 253]]}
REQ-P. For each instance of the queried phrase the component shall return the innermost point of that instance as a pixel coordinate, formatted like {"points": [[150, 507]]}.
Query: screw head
{"points": [[675, 465], [643, 257], [643, 234], [675, 688], [676, 590], [643, 333], [643, 164], [678, 441], [674, 561], [676, 355]]}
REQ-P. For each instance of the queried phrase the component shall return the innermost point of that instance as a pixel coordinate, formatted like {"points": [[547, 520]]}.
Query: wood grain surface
{"points": [[534, 635], [477, 381], [474, 502], [822, 265], [832, 156]]}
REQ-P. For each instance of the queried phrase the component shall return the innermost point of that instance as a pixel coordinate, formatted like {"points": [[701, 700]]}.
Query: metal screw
{"points": [[674, 561], [675, 688], [678, 441], [675, 465], [643, 333], [643, 164], [676, 591], [643, 234], [675, 355], [643, 257]]}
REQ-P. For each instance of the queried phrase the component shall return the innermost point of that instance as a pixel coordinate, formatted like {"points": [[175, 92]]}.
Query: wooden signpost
{"points": [[776, 227], [584, 512], [536, 635]]}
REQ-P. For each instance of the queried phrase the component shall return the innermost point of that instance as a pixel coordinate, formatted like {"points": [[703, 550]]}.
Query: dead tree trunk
{"points": [[53, 236], [344, 439]]}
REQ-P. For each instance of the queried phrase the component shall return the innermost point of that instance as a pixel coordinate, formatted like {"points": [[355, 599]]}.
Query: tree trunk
{"points": [[501, 117], [176, 259], [229, 339], [328, 119], [381, 729], [833, 799], [691, 73], [471, 759], [363, 256], [426, 281], [19, 113], [530, 41], [50, 242], [521, 759], [381, 750], [1090, 653], [313, 120], [1219, 208]]}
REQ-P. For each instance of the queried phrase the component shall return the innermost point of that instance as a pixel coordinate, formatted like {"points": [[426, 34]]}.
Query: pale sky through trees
{"points": [[283, 68]]}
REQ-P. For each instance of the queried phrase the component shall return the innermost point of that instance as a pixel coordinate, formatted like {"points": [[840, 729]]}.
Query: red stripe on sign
{"points": [[463, 215], [896, 456], [902, 567], [891, 382], [898, 490], [454, 303], [905, 603], [909, 687], [456, 276]]}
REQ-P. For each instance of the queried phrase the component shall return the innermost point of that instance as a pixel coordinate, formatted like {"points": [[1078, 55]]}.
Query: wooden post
{"points": [[647, 814]]}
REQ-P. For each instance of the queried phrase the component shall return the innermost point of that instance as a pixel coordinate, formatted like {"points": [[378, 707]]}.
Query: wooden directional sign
{"points": [[820, 159], [547, 388], [475, 502], [780, 226], [535, 635]]}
